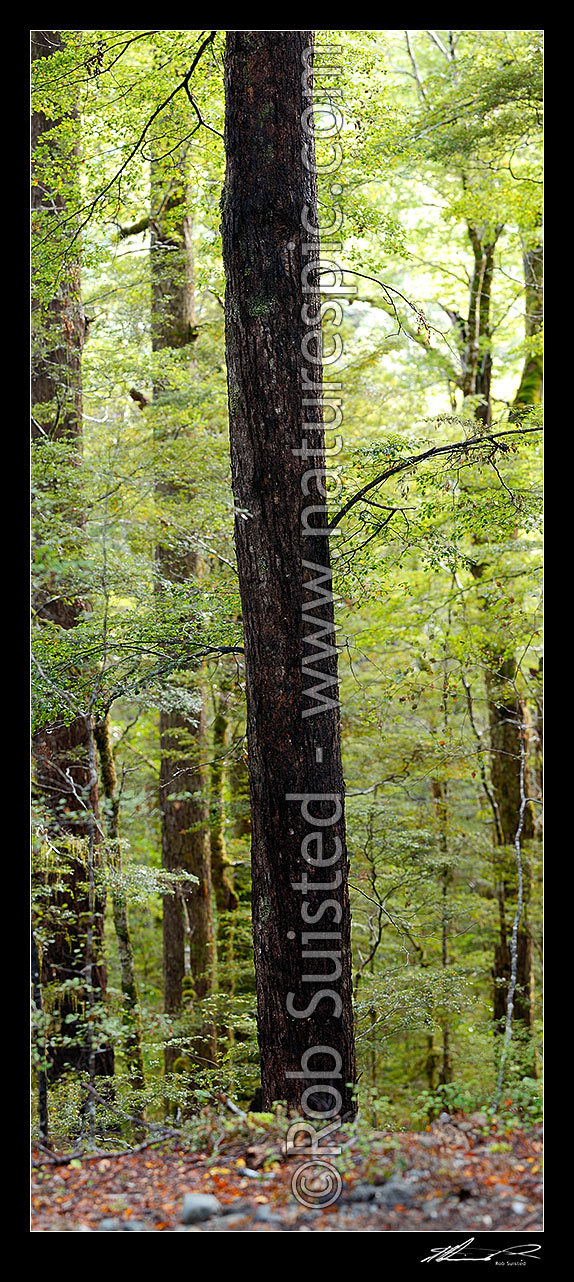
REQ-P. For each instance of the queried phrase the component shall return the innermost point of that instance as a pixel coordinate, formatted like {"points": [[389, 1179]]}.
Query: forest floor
{"points": [[461, 1174]]}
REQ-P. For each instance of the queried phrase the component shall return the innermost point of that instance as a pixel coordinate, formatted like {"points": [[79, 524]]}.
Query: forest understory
{"points": [[459, 1174]]}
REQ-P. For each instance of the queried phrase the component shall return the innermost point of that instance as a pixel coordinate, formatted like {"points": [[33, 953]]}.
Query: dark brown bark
{"points": [[290, 754], [63, 754]]}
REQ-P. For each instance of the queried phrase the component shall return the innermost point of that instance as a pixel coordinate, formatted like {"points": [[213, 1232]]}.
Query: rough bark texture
{"points": [[266, 189], [63, 753]]}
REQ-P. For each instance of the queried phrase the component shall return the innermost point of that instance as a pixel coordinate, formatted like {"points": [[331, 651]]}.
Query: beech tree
{"points": [[183, 787], [64, 751], [301, 918]]}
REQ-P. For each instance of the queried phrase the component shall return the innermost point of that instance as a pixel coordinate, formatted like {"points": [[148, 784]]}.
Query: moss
{"points": [[260, 306]]}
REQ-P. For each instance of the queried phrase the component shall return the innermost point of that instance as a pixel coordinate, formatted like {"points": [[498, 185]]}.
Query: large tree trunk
{"points": [[304, 992], [187, 916], [63, 754]]}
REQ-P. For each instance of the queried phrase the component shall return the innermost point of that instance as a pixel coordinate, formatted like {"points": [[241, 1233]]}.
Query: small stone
{"points": [[362, 1193], [519, 1208], [487, 1221], [242, 1206], [198, 1207], [110, 1226], [134, 1226], [265, 1215], [395, 1190], [231, 1221]]}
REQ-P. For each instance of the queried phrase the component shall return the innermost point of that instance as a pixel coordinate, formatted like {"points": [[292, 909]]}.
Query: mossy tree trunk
{"points": [[221, 871], [476, 352], [509, 749], [131, 1009], [530, 387], [63, 753], [187, 916], [439, 793], [513, 745]]}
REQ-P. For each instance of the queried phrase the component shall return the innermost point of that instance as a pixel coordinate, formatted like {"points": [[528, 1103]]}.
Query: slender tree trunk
{"points": [[304, 991], [508, 719], [477, 358], [187, 916], [510, 734], [530, 387], [439, 793], [240, 800], [63, 753], [43, 1119], [131, 1013], [222, 874]]}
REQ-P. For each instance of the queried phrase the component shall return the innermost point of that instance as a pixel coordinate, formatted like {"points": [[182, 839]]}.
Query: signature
{"points": [[462, 1251]]}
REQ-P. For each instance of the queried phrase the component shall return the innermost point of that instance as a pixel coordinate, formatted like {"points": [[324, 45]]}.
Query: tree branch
{"points": [[472, 442]]}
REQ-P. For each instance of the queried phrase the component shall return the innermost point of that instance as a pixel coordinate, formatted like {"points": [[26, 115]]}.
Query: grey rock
{"points": [[395, 1190], [230, 1221], [198, 1207], [242, 1206], [266, 1215], [112, 1225], [363, 1193]]}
